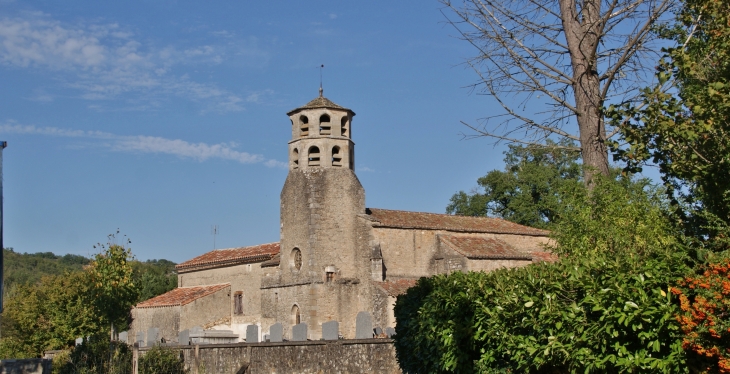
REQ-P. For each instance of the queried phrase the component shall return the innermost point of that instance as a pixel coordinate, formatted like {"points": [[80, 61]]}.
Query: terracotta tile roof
{"points": [[483, 248], [182, 296], [538, 256], [397, 287], [273, 262], [319, 102], [231, 256], [433, 221]]}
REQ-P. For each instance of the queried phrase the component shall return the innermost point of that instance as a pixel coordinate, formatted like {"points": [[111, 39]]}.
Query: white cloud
{"points": [[365, 169], [45, 43], [148, 144], [106, 61], [333, 16]]}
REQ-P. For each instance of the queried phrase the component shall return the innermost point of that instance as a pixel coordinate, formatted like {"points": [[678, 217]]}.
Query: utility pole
{"points": [[3, 144]]}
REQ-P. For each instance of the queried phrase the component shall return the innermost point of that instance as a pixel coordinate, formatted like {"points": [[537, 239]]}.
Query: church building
{"points": [[335, 257]]}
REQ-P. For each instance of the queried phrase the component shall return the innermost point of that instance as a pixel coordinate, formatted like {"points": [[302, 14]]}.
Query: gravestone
{"points": [[330, 330], [123, 336], [299, 332], [252, 334], [364, 326], [266, 338], [389, 331], [139, 339], [153, 336], [276, 333], [183, 337], [79, 341], [378, 331]]}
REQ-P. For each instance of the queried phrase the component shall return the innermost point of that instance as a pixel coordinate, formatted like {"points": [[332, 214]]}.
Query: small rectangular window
{"points": [[238, 303], [330, 276]]}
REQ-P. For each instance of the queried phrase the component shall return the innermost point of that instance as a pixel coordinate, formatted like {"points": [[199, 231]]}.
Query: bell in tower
{"points": [[321, 136]]}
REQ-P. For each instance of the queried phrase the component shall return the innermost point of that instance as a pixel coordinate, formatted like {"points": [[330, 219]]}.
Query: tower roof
{"points": [[320, 102]]}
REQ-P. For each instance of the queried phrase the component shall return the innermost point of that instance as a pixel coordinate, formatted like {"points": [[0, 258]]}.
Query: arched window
{"points": [[313, 156], [336, 156], [343, 126], [295, 159], [303, 126], [295, 317], [296, 258], [324, 125]]}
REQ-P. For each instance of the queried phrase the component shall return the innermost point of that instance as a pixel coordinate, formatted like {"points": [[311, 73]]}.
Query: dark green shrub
{"points": [[96, 356], [605, 307], [159, 360]]}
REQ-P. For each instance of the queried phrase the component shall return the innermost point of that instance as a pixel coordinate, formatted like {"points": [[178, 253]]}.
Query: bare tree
{"points": [[561, 61]]}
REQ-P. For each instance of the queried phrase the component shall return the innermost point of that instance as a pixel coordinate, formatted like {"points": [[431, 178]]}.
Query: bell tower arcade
{"points": [[321, 136]]}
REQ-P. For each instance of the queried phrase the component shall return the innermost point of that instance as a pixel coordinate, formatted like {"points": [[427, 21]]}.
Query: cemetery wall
{"points": [[26, 366], [341, 356]]}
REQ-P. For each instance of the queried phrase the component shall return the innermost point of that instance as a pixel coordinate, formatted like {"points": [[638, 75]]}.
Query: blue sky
{"points": [[163, 118]]}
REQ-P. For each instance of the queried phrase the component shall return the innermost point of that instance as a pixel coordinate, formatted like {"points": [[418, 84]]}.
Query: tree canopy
{"points": [[528, 191], [681, 124]]}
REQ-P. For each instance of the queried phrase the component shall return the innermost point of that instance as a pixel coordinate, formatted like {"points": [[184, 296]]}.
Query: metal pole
{"points": [[3, 144]]}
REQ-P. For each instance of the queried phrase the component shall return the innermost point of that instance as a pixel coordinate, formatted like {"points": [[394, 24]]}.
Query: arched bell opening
{"points": [[313, 156], [303, 126], [344, 126], [295, 159], [336, 156], [325, 128]]}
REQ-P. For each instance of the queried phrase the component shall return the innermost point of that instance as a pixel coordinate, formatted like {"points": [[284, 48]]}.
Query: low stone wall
{"points": [[26, 366], [338, 356]]}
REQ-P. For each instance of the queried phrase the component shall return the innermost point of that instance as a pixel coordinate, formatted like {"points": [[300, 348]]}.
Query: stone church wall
{"points": [[244, 278], [205, 310], [411, 253], [166, 318]]}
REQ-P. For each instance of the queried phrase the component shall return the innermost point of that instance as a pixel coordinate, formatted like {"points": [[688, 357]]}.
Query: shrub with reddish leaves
{"points": [[705, 318]]}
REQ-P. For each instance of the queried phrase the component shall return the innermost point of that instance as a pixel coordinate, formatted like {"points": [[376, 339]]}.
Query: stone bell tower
{"points": [[321, 136], [324, 259]]}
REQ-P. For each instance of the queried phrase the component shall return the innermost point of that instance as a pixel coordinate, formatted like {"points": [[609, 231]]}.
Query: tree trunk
{"points": [[582, 33]]}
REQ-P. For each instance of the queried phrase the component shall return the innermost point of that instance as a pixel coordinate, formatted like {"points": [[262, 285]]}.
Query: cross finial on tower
{"points": [[320, 80]]}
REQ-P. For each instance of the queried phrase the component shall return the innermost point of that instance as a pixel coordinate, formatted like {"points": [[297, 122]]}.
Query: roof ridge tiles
{"points": [[229, 256]]}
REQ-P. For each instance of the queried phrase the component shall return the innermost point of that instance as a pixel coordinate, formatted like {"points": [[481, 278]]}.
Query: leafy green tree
{"points": [[528, 190], [113, 289], [50, 314], [682, 124]]}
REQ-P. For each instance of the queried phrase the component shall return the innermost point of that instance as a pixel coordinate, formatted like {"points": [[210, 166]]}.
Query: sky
{"points": [[164, 118]]}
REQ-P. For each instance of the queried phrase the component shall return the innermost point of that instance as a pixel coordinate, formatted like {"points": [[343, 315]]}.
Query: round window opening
{"points": [[296, 256]]}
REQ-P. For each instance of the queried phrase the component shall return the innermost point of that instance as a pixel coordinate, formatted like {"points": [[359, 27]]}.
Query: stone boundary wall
{"points": [[337, 356], [26, 366]]}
